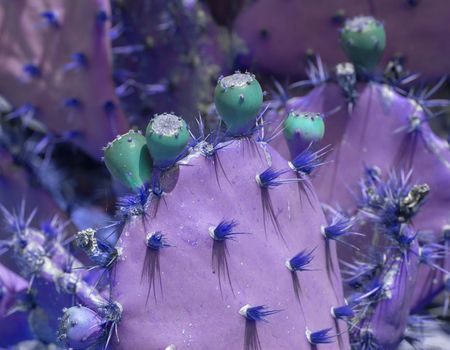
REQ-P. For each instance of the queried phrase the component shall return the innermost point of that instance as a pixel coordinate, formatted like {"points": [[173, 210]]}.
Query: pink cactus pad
{"points": [[197, 305]]}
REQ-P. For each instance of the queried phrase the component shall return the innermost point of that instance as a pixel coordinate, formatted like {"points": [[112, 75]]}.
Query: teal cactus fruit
{"points": [[167, 137], [128, 160], [308, 127], [363, 39], [238, 98]]}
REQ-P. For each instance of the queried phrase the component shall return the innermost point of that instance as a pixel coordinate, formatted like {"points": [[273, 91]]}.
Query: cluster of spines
{"points": [[389, 207]]}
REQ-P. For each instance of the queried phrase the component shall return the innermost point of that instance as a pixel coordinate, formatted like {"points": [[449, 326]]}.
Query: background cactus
{"points": [[363, 40], [285, 32], [167, 55], [56, 76], [71, 77], [387, 132]]}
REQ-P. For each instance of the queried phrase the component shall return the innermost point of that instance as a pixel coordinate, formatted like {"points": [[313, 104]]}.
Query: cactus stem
{"points": [[101, 17], [72, 103], [266, 180], [407, 149], [110, 109]]}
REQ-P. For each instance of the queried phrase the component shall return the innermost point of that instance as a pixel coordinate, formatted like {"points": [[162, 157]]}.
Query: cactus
{"points": [[66, 77], [221, 247], [256, 266], [386, 131], [223, 290]]}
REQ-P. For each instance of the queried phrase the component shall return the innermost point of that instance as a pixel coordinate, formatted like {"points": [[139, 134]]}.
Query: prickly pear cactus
{"points": [[228, 253], [222, 249], [381, 130]]}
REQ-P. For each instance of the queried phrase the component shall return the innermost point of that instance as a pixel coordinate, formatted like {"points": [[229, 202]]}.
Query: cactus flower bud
{"points": [[302, 129], [363, 39], [128, 160], [167, 137], [238, 98]]}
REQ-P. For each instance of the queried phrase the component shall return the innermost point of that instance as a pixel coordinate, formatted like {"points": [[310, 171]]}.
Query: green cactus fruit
{"points": [[309, 127], [167, 137], [128, 160], [363, 39], [238, 98]]}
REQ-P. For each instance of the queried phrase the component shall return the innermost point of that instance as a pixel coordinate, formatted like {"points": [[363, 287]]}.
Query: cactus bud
{"points": [[303, 128], [128, 160], [167, 137], [80, 327], [238, 98], [363, 39]]}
